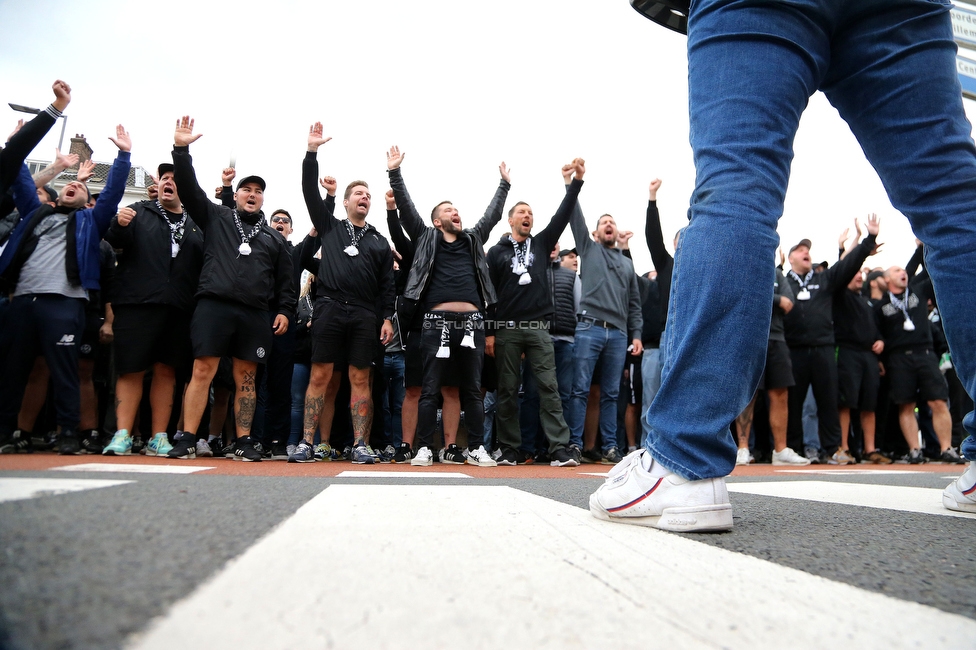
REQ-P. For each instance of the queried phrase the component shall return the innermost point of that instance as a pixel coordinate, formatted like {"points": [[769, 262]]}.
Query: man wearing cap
{"points": [[160, 254], [50, 264], [246, 266], [355, 276], [809, 330]]}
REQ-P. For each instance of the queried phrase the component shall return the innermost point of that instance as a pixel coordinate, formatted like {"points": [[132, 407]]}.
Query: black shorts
{"points": [[344, 333], [632, 388], [89, 338], [915, 375], [149, 334], [222, 329], [779, 367], [413, 364], [858, 379]]}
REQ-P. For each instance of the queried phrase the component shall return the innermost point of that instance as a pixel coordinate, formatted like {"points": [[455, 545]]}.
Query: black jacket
{"points": [[365, 280], [426, 238], [147, 272], [253, 280], [811, 322], [532, 301]]}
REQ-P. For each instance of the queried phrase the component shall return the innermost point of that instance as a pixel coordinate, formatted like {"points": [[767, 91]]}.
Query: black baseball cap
{"points": [[252, 179], [802, 242], [566, 251], [163, 168]]}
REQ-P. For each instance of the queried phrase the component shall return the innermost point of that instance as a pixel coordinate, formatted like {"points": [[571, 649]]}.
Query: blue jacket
{"points": [[90, 225]]}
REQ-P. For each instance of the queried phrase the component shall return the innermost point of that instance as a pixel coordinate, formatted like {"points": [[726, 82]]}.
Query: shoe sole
{"points": [[363, 462], [108, 452], [568, 463], [951, 502], [301, 460], [786, 463], [421, 463], [158, 453], [476, 463], [697, 519], [454, 462], [190, 456]]}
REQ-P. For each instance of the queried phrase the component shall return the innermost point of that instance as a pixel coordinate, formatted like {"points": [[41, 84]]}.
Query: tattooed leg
{"points": [[360, 405], [245, 374], [315, 398], [128, 394], [743, 424]]}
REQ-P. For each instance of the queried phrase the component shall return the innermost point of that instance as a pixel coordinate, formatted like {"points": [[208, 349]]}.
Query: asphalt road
{"points": [[94, 568]]}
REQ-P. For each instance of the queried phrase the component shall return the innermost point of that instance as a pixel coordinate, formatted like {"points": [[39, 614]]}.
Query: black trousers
{"points": [[816, 366], [272, 419]]}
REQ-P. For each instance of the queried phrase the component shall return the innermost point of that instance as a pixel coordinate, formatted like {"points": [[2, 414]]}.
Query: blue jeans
{"points": [[651, 378], [565, 370], [299, 384], [888, 67], [608, 347], [393, 369]]}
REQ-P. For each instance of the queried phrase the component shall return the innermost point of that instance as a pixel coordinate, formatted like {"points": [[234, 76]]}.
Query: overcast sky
{"points": [[459, 86]]}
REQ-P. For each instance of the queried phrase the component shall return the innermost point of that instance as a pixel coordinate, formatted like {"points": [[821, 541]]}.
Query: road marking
{"points": [[832, 472], [533, 573], [406, 474], [16, 489], [889, 497], [121, 468]]}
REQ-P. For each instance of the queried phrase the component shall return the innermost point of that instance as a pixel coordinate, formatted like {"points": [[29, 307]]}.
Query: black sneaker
{"points": [[278, 451], [524, 458], [542, 457], [185, 447], [227, 450], [246, 449], [916, 457], [138, 446], [92, 443], [563, 457], [403, 453], [950, 455], [258, 447], [592, 456], [612, 457], [577, 454], [508, 457], [17, 442], [68, 443], [453, 455]]}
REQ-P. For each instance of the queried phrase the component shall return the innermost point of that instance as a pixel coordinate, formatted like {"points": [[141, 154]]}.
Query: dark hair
{"points": [[433, 213], [349, 188], [601, 217], [284, 212], [512, 211]]}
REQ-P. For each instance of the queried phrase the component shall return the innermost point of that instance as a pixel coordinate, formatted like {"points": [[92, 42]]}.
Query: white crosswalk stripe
{"points": [[527, 572], [17, 489]]}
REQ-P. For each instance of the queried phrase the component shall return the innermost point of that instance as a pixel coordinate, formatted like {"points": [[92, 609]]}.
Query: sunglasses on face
{"points": [[280, 220]]}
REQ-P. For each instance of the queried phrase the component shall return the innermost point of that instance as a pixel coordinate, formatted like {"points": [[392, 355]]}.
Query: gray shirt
{"points": [[44, 271]]}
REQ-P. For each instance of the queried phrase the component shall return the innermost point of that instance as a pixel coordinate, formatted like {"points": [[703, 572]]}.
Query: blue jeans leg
{"points": [[393, 375], [651, 375], [612, 361], [299, 384], [586, 352], [565, 371]]}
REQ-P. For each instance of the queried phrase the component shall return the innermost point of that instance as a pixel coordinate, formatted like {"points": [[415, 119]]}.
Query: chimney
{"points": [[80, 146]]}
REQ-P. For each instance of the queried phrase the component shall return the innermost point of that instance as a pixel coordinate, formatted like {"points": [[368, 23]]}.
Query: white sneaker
{"points": [[423, 458], [961, 495], [203, 449], [661, 499], [481, 458], [789, 457], [743, 457]]}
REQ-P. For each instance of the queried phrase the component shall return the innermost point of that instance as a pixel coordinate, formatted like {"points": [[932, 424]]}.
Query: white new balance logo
{"points": [[67, 339]]}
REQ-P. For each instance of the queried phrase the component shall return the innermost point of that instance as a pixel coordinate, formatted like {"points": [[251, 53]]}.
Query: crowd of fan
{"points": [[181, 327]]}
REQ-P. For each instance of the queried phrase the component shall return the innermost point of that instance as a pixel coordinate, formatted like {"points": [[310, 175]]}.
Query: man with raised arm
{"points": [[27, 136], [450, 282], [519, 325], [246, 264], [50, 263], [355, 275], [161, 254], [609, 320]]}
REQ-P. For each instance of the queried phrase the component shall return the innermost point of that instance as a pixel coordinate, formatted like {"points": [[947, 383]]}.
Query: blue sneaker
{"points": [[121, 444], [159, 445], [304, 453], [360, 456]]}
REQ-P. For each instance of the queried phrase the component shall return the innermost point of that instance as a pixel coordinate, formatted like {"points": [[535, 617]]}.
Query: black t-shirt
{"points": [[453, 275]]}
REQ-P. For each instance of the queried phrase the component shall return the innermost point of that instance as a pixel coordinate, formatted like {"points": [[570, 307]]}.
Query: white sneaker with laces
{"points": [[658, 498], [743, 457], [789, 457], [961, 494], [423, 458], [481, 458]]}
